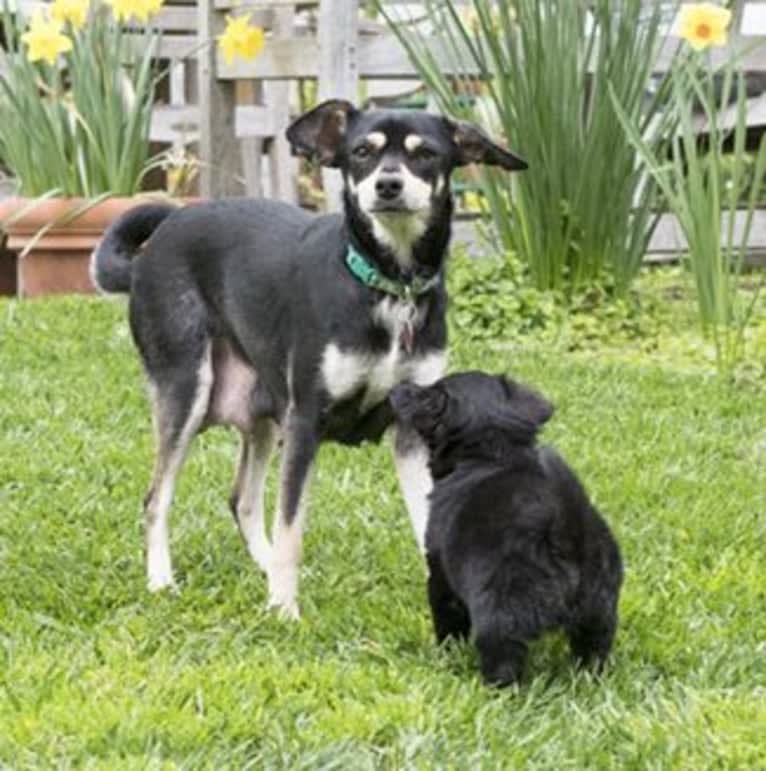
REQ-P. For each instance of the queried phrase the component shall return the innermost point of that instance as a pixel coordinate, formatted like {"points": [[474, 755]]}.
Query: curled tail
{"points": [[111, 261]]}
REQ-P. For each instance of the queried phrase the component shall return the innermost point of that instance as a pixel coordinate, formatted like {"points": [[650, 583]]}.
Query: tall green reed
{"points": [[584, 211], [711, 186]]}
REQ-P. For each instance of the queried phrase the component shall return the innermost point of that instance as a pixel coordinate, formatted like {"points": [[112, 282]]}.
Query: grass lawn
{"points": [[96, 672]]}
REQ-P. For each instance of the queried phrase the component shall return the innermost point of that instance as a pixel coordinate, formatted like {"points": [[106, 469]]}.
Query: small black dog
{"points": [[514, 546]]}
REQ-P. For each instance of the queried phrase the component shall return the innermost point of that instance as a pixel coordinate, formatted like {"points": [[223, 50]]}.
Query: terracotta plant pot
{"points": [[58, 262]]}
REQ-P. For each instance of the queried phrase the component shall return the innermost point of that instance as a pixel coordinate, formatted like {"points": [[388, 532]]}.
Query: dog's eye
{"points": [[424, 153], [362, 152]]}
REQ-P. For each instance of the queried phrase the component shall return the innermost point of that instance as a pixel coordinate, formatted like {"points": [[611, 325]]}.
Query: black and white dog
{"points": [[258, 315], [514, 546]]}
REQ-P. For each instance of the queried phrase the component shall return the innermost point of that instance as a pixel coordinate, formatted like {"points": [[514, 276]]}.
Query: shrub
{"points": [[493, 300]]}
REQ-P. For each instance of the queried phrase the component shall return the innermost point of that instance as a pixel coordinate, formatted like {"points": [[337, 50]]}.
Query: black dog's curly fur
{"points": [[514, 546]]}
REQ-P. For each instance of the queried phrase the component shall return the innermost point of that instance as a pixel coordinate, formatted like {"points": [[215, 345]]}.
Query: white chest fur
{"points": [[347, 371]]}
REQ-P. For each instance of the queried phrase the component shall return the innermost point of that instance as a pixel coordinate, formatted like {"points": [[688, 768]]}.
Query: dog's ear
{"points": [[421, 407], [404, 398], [319, 133], [474, 146], [525, 409]]}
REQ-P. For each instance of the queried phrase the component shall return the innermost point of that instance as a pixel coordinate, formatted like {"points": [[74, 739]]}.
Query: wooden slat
{"points": [[183, 46], [219, 150], [171, 122], [383, 57], [378, 57], [280, 59], [283, 167], [177, 18], [184, 18], [178, 47], [668, 238], [225, 5], [338, 72], [172, 18], [252, 166], [666, 245], [256, 121], [178, 77], [753, 58]]}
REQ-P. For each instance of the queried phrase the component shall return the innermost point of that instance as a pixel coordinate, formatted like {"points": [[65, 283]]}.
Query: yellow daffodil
{"points": [[73, 11], [45, 40], [473, 202], [704, 24], [240, 39], [142, 10]]}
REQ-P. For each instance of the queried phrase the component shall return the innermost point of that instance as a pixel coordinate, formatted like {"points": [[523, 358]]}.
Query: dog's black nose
{"points": [[389, 186]]}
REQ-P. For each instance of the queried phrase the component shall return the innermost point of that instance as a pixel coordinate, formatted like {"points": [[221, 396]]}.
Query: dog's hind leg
{"points": [[411, 458], [592, 630], [247, 499], [300, 445], [180, 406], [591, 637], [505, 619], [502, 654]]}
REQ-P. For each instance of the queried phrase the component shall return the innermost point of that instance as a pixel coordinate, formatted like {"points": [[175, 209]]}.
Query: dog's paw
{"points": [[286, 610], [161, 582], [159, 568], [283, 588], [261, 554]]}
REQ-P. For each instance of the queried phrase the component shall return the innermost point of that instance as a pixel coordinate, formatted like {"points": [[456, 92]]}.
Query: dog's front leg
{"points": [[300, 445], [411, 458], [450, 615]]}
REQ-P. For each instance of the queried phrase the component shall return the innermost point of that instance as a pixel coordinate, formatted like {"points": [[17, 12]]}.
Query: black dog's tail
{"points": [[111, 261]]}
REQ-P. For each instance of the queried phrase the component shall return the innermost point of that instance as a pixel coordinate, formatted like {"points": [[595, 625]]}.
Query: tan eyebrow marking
{"points": [[412, 142], [377, 139]]}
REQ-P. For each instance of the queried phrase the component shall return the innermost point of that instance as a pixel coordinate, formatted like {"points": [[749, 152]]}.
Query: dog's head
{"points": [[471, 410], [396, 164]]}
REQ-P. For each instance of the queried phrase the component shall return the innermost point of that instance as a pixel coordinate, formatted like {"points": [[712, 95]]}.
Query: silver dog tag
{"points": [[407, 335]]}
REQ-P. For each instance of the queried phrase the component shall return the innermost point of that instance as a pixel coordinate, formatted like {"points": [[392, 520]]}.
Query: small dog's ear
{"points": [[526, 405], [319, 133], [421, 407], [403, 397], [474, 146]]}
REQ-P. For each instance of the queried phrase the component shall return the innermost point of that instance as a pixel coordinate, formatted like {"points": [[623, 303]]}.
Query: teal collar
{"points": [[369, 275]]}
